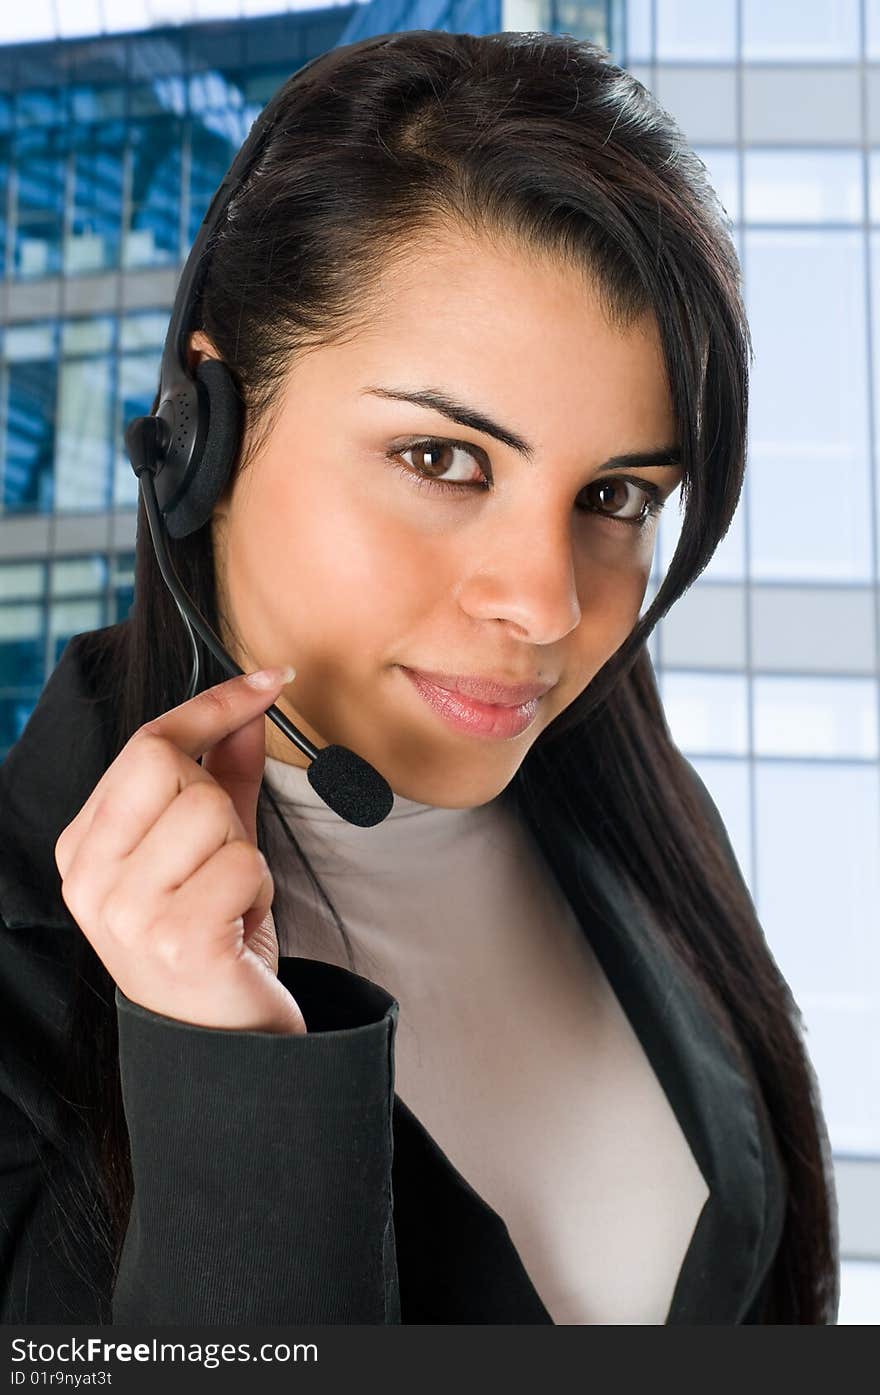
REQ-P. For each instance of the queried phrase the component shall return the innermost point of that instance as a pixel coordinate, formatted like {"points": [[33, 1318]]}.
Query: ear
{"points": [[198, 348]]}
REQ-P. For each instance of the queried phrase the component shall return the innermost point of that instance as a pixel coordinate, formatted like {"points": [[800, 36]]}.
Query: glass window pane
{"points": [[728, 561], [728, 783], [5, 194], [83, 436], [808, 478], [96, 101], [261, 83], [822, 31], [123, 585], [87, 336], [15, 709], [874, 244], [138, 382], [22, 580], [215, 91], [816, 186], [30, 341], [144, 329], [30, 437], [94, 233], [827, 717], [153, 236], [212, 155], [844, 1045], [818, 873], [723, 169], [39, 185], [216, 46], [707, 713], [818, 888], [693, 29], [639, 45], [40, 106], [78, 575], [157, 52], [145, 99], [68, 618], [21, 645]]}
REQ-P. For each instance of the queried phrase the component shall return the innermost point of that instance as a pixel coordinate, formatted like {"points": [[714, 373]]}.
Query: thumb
{"points": [[237, 762]]}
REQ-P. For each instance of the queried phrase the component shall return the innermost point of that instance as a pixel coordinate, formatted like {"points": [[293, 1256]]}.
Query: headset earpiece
{"points": [[220, 411]]}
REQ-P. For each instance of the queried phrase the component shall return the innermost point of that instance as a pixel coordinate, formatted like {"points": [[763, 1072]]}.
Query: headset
{"points": [[183, 453]]}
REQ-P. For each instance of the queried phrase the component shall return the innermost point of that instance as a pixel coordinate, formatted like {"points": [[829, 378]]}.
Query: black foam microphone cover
{"points": [[352, 787]]}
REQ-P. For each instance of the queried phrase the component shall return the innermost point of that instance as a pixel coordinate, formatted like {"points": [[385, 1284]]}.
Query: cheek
{"points": [[611, 588], [343, 560]]}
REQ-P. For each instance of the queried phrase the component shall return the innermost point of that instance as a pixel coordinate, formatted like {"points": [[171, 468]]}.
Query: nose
{"points": [[524, 576]]}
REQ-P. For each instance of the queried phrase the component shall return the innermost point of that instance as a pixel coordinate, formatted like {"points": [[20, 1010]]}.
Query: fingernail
{"points": [[270, 677]]}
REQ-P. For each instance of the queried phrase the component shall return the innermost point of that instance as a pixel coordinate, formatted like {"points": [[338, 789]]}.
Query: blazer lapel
{"points": [[719, 1110]]}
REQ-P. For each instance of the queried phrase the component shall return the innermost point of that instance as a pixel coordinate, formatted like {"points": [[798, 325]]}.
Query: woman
{"points": [[468, 276]]}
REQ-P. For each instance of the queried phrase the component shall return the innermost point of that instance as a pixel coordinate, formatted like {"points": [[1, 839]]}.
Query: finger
{"points": [[190, 728], [207, 914], [189, 831], [237, 763], [146, 778], [197, 725]]}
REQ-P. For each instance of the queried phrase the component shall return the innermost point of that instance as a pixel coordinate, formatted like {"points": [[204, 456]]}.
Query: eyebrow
{"points": [[438, 401]]}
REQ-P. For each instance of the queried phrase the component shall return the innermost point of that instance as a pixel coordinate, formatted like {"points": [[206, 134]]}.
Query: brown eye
{"points": [[610, 497], [443, 462]]}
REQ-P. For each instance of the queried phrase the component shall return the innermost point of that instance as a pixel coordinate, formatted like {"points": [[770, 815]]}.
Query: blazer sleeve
{"points": [[261, 1162]]}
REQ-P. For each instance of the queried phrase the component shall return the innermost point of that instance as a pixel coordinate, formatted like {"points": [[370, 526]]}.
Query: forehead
{"points": [[526, 335]]}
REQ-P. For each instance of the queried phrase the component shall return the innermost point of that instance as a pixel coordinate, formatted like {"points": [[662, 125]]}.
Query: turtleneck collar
{"points": [[411, 831], [290, 785]]}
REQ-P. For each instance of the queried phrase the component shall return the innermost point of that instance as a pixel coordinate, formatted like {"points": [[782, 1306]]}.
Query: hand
{"points": [[161, 870]]}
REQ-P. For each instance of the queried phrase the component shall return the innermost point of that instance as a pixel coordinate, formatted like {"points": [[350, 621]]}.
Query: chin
{"points": [[464, 793]]}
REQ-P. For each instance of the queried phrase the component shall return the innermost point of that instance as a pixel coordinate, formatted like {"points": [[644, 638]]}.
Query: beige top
{"points": [[509, 1035]]}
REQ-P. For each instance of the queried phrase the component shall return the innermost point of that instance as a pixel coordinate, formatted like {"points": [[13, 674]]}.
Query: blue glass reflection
{"points": [[40, 106], [212, 155], [123, 598], [40, 158], [21, 661], [138, 380], [94, 236], [14, 713], [154, 233], [30, 438], [4, 194], [215, 91], [96, 102]]}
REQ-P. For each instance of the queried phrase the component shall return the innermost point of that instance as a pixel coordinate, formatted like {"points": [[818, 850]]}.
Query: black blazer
{"points": [[279, 1179]]}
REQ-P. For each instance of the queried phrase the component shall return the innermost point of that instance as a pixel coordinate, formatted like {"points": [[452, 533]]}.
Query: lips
{"points": [[488, 690], [472, 717]]}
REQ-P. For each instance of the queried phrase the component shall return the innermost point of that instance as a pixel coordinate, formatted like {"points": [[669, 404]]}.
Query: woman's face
{"points": [[331, 556]]}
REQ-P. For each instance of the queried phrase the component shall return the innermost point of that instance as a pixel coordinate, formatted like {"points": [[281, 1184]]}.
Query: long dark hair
{"points": [[540, 138]]}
